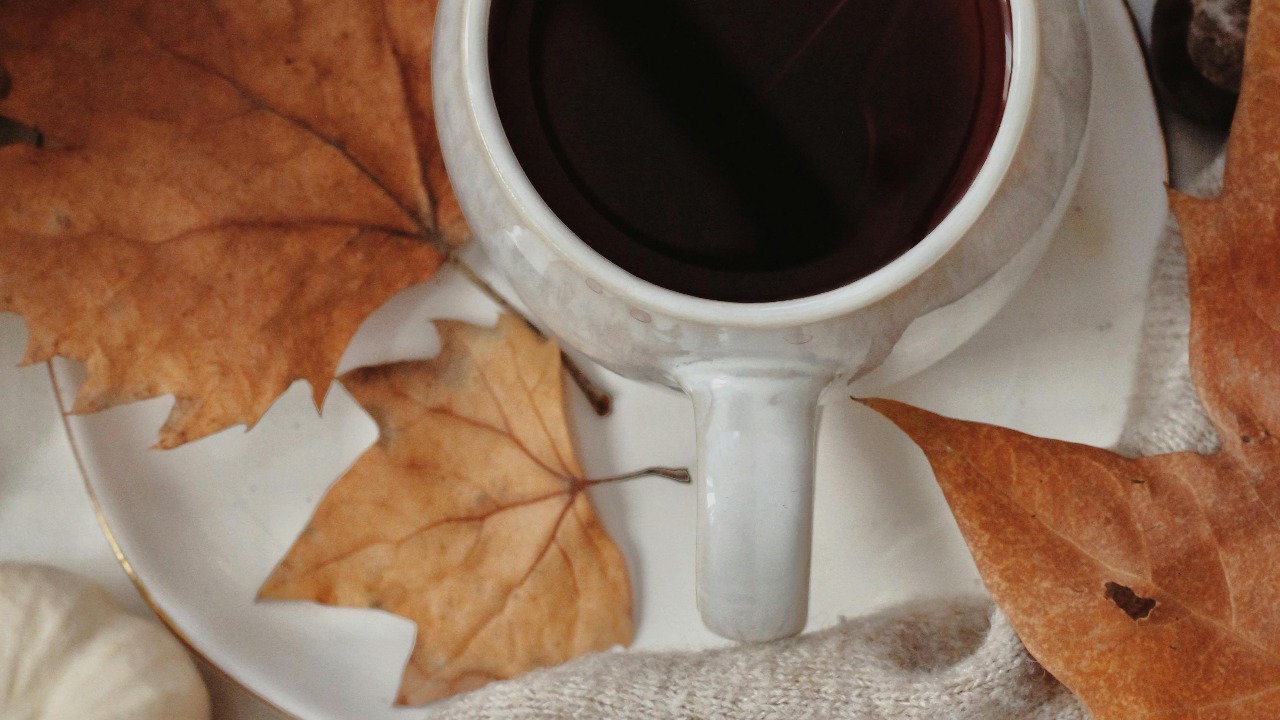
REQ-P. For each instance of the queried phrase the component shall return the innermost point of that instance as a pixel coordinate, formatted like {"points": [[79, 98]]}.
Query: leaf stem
{"points": [[474, 277], [600, 401], [680, 475]]}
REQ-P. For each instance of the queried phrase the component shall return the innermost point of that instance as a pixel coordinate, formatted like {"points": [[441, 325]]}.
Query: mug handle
{"points": [[756, 434]]}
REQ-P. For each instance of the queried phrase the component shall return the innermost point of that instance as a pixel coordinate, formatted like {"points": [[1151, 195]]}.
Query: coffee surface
{"points": [[750, 150]]}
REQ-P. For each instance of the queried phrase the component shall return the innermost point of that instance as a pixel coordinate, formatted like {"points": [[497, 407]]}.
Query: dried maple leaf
{"points": [[467, 517], [219, 193], [1151, 586]]}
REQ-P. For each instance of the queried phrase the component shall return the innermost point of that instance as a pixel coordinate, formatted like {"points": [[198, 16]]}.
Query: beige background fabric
{"points": [[947, 659]]}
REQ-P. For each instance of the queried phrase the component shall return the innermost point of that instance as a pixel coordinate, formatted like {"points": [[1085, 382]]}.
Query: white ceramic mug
{"points": [[755, 370]]}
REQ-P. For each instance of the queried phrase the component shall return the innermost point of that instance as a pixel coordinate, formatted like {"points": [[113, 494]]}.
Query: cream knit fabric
{"points": [[955, 659], [939, 660]]}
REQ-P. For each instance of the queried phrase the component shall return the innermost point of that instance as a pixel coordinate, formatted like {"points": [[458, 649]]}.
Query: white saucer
{"points": [[202, 526]]}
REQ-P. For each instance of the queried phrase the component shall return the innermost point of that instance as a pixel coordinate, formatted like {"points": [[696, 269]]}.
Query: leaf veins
{"points": [[217, 194], [467, 517]]}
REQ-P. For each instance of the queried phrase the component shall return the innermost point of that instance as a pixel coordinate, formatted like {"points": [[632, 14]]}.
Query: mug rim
{"points": [[1024, 50]]}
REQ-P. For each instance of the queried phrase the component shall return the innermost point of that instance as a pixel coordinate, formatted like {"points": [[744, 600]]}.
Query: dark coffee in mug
{"points": [[750, 150]]}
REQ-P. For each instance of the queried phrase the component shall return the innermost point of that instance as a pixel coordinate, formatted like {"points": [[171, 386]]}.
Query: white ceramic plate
{"points": [[203, 525]]}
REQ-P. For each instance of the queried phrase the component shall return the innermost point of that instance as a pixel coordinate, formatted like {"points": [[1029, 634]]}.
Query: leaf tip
{"points": [[908, 418], [276, 587], [320, 390]]}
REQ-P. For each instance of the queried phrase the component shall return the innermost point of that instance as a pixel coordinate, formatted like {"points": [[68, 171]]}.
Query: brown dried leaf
{"points": [[1151, 587], [223, 191], [467, 517]]}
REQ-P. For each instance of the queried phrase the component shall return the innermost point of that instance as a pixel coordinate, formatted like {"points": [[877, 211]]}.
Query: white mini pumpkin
{"points": [[68, 652]]}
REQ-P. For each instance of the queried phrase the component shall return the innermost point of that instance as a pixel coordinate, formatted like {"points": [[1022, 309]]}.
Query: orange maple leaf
{"points": [[467, 517], [209, 198], [1151, 586]]}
